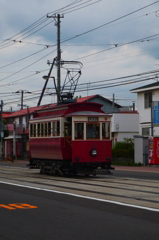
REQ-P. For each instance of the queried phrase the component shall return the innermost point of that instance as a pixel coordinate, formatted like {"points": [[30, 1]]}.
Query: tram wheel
{"points": [[53, 169], [42, 170]]}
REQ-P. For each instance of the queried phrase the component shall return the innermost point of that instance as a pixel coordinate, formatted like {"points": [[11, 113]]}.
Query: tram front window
{"points": [[92, 131], [106, 130], [79, 130]]}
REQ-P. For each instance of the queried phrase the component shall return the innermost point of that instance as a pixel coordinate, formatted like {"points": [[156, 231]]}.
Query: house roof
{"points": [[26, 111], [146, 88], [84, 99], [5, 114]]}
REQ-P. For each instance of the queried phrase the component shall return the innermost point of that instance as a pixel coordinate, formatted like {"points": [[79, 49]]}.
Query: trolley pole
{"points": [[57, 19]]}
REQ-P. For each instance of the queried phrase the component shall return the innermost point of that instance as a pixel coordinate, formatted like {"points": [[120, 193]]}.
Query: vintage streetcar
{"points": [[71, 139]]}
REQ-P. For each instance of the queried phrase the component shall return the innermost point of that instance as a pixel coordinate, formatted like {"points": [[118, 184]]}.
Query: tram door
{"points": [[68, 129], [68, 132]]}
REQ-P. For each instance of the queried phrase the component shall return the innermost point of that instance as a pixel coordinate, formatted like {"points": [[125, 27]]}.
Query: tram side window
{"points": [[31, 130], [56, 128], [92, 131], [42, 129], [68, 129], [79, 130], [49, 128], [34, 130], [45, 129], [106, 130], [38, 129]]}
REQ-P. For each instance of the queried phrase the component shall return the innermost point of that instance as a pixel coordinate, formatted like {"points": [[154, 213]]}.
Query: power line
{"points": [[32, 27], [75, 9], [105, 24], [118, 45]]}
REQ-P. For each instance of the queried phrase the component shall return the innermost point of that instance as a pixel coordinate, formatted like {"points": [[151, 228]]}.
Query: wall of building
{"points": [[125, 122], [145, 113], [119, 136], [141, 149]]}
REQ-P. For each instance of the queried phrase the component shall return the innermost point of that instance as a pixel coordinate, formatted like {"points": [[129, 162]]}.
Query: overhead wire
{"points": [[66, 12], [105, 24], [117, 45], [107, 85], [33, 26]]}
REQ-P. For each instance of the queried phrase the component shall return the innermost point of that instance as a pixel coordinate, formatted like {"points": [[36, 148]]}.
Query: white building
{"points": [[148, 100], [147, 97], [124, 125]]}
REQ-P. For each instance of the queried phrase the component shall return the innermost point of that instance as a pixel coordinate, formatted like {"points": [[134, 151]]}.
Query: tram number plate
{"points": [[93, 119]]}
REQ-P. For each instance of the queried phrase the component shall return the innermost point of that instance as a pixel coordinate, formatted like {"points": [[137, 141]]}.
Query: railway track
{"points": [[111, 188]]}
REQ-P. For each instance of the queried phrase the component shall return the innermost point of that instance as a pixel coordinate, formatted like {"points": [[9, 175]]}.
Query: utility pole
{"points": [[57, 18], [58, 58], [1, 128], [22, 97], [113, 102]]}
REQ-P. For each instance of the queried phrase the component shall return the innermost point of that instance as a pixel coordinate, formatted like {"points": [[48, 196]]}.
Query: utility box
{"points": [[141, 149]]}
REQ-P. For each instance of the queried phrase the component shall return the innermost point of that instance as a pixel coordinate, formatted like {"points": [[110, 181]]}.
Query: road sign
{"points": [[156, 112]]}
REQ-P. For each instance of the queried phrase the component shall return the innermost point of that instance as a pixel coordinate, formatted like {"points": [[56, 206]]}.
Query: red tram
{"points": [[71, 138]]}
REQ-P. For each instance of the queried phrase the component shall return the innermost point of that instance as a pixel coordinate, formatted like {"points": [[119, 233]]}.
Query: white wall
{"points": [[145, 113], [125, 122], [121, 136]]}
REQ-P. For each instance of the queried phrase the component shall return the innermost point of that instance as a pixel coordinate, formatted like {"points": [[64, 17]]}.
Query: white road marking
{"points": [[82, 196]]}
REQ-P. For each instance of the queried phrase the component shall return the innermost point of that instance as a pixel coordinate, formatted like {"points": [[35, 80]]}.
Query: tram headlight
{"points": [[94, 152], [77, 159]]}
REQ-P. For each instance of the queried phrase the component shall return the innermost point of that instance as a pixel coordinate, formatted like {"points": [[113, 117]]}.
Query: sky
{"points": [[115, 42]]}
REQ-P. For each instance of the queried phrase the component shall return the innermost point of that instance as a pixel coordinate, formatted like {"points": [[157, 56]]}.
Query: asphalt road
{"points": [[55, 216], [136, 174], [30, 212]]}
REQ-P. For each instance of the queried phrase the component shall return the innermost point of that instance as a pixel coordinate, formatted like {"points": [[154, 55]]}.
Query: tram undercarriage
{"points": [[66, 167]]}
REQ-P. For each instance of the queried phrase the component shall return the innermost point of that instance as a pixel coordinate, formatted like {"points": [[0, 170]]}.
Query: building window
{"points": [[146, 131], [148, 99]]}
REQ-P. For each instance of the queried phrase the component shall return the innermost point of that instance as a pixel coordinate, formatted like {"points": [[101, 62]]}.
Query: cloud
{"points": [[109, 62]]}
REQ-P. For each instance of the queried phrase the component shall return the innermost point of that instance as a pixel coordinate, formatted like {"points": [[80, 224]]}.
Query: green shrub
{"points": [[124, 149]]}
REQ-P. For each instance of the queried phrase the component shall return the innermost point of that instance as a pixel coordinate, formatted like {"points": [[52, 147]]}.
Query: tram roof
{"points": [[72, 108], [86, 113]]}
